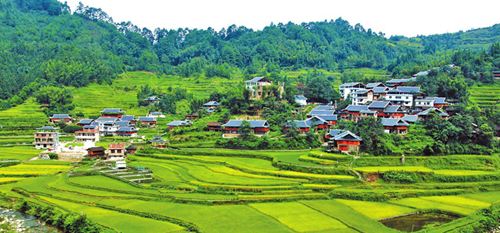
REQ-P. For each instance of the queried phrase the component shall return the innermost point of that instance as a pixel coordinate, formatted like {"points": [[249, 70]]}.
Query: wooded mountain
{"points": [[43, 40]]}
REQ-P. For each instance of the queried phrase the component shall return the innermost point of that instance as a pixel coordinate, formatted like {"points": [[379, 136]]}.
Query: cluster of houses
{"points": [[397, 104]]}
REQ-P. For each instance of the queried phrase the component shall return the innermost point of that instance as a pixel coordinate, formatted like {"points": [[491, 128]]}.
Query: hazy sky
{"points": [[393, 17]]}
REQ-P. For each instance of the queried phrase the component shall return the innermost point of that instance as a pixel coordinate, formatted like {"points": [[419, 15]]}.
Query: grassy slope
{"points": [[486, 95]]}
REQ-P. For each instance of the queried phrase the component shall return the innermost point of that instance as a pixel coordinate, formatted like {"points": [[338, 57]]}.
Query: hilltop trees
{"points": [[55, 99]]}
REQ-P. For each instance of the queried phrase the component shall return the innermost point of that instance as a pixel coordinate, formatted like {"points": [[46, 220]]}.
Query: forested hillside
{"points": [[43, 42]]}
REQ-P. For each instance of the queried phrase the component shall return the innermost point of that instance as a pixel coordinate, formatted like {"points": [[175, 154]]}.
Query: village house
{"points": [[440, 102], [89, 133], [379, 93], [158, 142], [58, 118], [131, 149], [399, 82], [379, 107], [147, 121], [411, 119], [318, 123], [403, 95], [322, 110], [394, 111], [152, 100], [232, 127], [343, 141], [356, 112], [331, 119], [84, 122], [260, 87], [429, 102], [496, 74], [211, 106], [46, 137], [131, 119], [374, 85], [112, 112], [127, 131], [156, 114], [214, 126], [300, 100], [192, 116], [361, 97], [107, 125], [346, 89], [96, 152], [175, 124], [423, 115], [302, 126], [116, 151], [395, 125]]}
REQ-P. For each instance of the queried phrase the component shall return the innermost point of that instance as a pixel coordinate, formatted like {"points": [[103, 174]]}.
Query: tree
{"points": [[319, 89], [167, 104], [56, 99], [245, 130]]}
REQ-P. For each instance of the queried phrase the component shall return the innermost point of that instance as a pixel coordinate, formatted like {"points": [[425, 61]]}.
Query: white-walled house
{"points": [[347, 88], [361, 97], [403, 95]]}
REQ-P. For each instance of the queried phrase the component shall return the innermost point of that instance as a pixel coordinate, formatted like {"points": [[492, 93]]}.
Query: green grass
{"points": [[22, 119], [376, 210], [300, 218], [486, 95], [463, 172], [17, 152], [387, 169], [90, 100]]}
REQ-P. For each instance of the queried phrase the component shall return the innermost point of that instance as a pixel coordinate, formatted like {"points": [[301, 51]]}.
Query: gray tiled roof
{"points": [[320, 112], [316, 120], [46, 128], [253, 123], [60, 116], [373, 85], [331, 117], [357, 108], [378, 104], [106, 119], [300, 97], [338, 134], [324, 107], [127, 129], [400, 80], [112, 110], [406, 89], [379, 90], [350, 84], [256, 79], [430, 110], [179, 123], [211, 103], [392, 109], [127, 118], [410, 118], [122, 123], [393, 122], [298, 124], [147, 119], [85, 121]]}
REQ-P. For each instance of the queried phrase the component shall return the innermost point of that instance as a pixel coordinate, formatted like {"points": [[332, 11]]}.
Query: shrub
{"points": [[400, 177]]}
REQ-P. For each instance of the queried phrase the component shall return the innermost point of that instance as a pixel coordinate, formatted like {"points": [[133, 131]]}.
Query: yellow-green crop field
{"points": [[218, 190]]}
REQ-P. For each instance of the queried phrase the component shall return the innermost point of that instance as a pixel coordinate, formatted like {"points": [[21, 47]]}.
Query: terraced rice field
{"points": [[486, 95], [217, 190]]}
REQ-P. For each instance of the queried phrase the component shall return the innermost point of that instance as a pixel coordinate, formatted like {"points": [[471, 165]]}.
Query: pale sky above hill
{"points": [[393, 17]]}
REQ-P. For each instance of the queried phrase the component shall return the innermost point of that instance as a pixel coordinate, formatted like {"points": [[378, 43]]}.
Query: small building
{"points": [[158, 142], [259, 87], [302, 126], [211, 106], [258, 127], [175, 124], [300, 100], [89, 133], [411, 119], [112, 112], [429, 102], [423, 115], [399, 82], [152, 100], [346, 89], [156, 114], [440, 102], [393, 111], [379, 93], [107, 125], [496, 74], [394, 125], [214, 126], [331, 119], [84, 122], [58, 118], [318, 123], [362, 97], [96, 152], [374, 85], [47, 138], [356, 112], [147, 121], [131, 149], [116, 151], [130, 118], [120, 164], [127, 131], [192, 116], [343, 141], [403, 95]]}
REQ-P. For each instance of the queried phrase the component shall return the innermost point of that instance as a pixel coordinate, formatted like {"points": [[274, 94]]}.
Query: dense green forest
{"points": [[45, 43]]}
